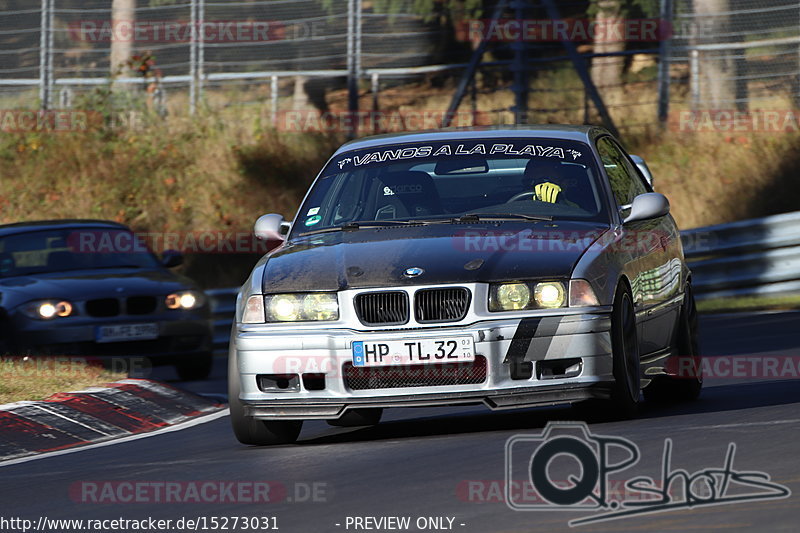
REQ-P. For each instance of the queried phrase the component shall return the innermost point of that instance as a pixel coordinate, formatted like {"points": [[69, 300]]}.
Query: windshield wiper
{"points": [[475, 217], [353, 226]]}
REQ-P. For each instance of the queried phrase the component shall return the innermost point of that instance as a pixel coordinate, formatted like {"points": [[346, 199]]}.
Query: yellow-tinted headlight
{"points": [[320, 306], [549, 295], [283, 308], [302, 307], [511, 297]]}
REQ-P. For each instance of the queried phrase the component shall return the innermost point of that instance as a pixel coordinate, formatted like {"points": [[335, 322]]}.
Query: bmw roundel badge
{"points": [[413, 272]]}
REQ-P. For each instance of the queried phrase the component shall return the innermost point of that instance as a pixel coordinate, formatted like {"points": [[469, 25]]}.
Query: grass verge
{"points": [[37, 378], [749, 303]]}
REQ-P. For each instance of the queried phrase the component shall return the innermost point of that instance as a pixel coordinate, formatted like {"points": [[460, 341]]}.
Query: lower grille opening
{"points": [[559, 368], [314, 381], [392, 377], [278, 382], [521, 370]]}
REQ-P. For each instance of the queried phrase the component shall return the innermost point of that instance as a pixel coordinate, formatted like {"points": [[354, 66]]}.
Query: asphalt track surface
{"points": [[417, 463]]}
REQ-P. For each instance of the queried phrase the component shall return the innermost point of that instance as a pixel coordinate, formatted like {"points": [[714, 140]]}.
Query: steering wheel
{"points": [[520, 196]]}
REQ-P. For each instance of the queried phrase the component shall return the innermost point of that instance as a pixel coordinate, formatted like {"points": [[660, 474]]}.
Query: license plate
{"points": [[413, 352], [127, 332]]}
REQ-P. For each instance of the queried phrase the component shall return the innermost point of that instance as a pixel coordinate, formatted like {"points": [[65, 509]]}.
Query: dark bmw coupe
{"points": [[92, 288]]}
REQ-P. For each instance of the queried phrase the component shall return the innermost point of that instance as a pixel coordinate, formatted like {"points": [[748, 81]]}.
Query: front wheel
{"points": [[247, 429], [625, 348]]}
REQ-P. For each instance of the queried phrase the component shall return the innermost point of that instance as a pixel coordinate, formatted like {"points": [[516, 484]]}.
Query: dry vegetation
{"points": [[36, 378], [223, 168]]}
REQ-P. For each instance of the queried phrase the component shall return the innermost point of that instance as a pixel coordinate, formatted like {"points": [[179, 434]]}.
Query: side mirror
{"points": [[643, 168], [271, 228], [648, 206], [171, 258]]}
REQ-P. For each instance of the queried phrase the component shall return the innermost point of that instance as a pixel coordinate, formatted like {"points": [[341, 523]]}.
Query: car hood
{"points": [[85, 284], [447, 253]]}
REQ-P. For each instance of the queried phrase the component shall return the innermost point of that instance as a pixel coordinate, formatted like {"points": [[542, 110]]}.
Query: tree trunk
{"points": [[607, 71], [719, 70], [123, 17]]}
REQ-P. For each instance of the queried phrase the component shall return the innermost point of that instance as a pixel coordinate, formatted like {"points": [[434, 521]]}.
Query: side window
{"points": [[625, 181]]}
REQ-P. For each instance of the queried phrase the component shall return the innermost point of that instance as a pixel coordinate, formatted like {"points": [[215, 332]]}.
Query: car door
{"points": [[639, 246]]}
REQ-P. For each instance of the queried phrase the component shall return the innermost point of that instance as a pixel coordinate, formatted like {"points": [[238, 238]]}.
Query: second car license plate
{"points": [[127, 332], [413, 352]]}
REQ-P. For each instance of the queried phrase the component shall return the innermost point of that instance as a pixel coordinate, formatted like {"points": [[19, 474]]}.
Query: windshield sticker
{"points": [[530, 150], [311, 221], [312, 211]]}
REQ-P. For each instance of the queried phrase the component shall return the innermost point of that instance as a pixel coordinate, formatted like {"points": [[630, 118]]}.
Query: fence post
{"points": [[664, 53], [193, 72], [201, 49], [694, 75], [352, 68], [45, 55], [273, 94], [65, 98], [520, 69]]}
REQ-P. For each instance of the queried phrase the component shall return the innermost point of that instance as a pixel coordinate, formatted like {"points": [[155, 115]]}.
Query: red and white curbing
{"points": [[72, 419]]}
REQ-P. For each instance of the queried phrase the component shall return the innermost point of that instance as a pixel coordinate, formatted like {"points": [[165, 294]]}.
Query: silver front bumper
{"points": [[265, 351]]}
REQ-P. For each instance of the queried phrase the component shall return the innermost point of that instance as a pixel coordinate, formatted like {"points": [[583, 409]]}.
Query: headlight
{"points": [[510, 297], [549, 295], [518, 296], [185, 300], [49, 309], [315, 306]]}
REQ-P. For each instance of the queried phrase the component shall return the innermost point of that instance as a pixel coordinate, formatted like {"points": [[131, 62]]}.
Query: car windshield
{"points": [[534, 178], [65, 249]]}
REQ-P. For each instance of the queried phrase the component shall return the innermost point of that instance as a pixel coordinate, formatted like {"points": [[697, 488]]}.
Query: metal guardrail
{"points": [[746, 258], [749, 257]]}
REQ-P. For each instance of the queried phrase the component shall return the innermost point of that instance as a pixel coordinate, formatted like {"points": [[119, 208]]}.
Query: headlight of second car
{"points": [[519, 296], [301, 307], [49, 309], [185, 300]]}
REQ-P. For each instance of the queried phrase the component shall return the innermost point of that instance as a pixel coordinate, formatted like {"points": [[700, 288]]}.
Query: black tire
{"points": [[625, 395], [249, 430], [195, 367], [358, 417], [681, 388]]}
